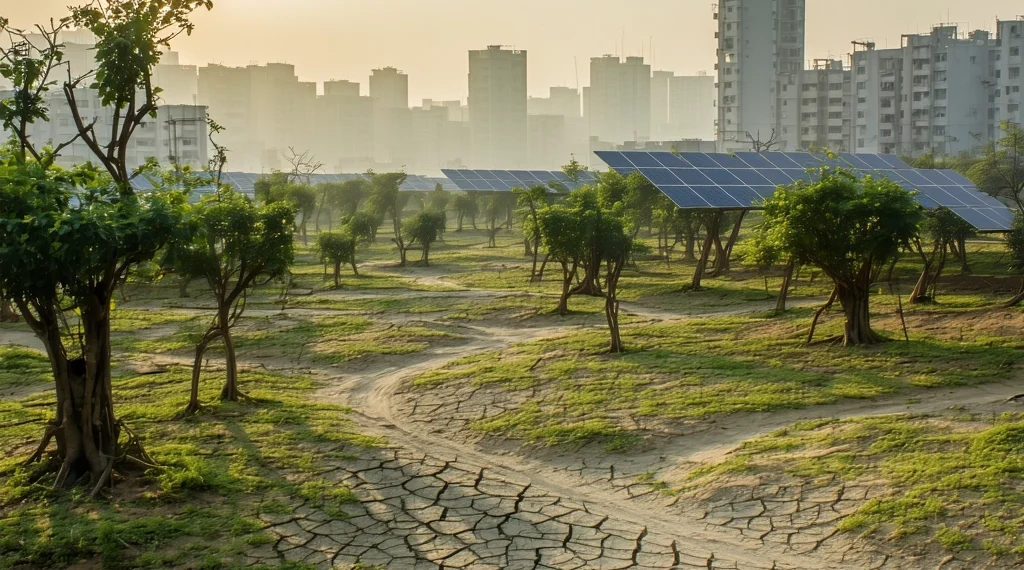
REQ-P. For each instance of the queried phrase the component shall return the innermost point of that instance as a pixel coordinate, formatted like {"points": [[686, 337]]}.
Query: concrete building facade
{"points": [[497, 107], [815, 111], [935, 94], [758, 42], [619, 99]]}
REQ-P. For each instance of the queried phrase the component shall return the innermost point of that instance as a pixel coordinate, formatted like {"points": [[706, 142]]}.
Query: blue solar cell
{"points": [[613, 159], [623, 170], [874, 161], [505, 175], [669, 160], [684, 197], [798, 174], [914, 177], [776, 176], [805, 159], [659, 176], [936, 177], [643, 160], [754, 160], [524, 176], [956, 178], [978, 219], [699, 160], [562, 177], [938, 195], [855, 161], [464, 184], [717, 197], [728, 161], [751, 177], [721, 177], [764, 192], [893, 161], [744, 195], [927, 202], [780, 160], [691, 177], [968, 197]]}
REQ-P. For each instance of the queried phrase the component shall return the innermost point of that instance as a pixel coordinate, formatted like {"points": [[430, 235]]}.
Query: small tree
{"points": [[302, 197], [337, 248], [617, 245], [348, 196], [574, 169], [1001, 171], [851, 229], [565, 230], [947, 233], [1015, 242], [465, 206], [388, 201], [270, 187], [425, 228], [235, 247], [533, 200], [494, 207]]}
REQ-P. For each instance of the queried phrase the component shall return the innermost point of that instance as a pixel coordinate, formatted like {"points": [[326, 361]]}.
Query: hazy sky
{"points": [[428, 39]]}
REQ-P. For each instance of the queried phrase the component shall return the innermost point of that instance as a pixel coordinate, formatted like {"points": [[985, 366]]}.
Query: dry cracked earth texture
{"points": [[421, 511]]}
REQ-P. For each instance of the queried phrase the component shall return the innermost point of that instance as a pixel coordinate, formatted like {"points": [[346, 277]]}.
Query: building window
{"points": [[1014, 73], [940, 57], [860, 114], [940, 94], [861, 85], [1015, 51]]}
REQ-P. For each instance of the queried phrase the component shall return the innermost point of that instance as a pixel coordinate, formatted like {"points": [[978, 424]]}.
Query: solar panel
{"points": [[696, 180], [506, 180]]}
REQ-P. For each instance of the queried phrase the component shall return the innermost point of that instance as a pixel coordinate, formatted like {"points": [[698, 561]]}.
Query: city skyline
{"points": [[310, 37]]}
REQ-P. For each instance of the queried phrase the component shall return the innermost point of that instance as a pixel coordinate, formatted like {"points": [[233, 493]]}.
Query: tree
{"points": [[70, 238], [340, 247], [424, 229], [1015, 242], [67, 239], [574, 169], [579, 233], [465, 205], [270, 187], [533, 200], [437, 201], [851, 229], [235, 247], [388, 201], [1001, 171], [347, 196], [494, 207], [947, 232], [303, 198]]}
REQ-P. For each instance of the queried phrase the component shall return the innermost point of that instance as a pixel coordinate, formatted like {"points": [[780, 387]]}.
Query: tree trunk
{"points": [[543, 266], [567, 279], [724, 253], [458, 223], [611, 305], [965, 269], [230, 392], [702, 262], [197, 368], [691, 241], [787, 279], [920, 293], [337, 273], [352, 261], [183, 283], [426, 255], [854, 298]]}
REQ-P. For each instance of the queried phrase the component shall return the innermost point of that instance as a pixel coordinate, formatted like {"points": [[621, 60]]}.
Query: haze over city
{"points": [[345, 39]]}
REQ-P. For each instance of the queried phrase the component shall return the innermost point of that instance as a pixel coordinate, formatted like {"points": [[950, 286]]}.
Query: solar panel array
{"points": [[506, 180], [744, 179], [245, 182]]}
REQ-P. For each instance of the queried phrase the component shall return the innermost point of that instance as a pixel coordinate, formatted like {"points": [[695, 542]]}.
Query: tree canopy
{"points": [[851, 229]]}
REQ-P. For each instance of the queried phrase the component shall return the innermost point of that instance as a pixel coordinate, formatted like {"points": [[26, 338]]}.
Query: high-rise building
{"points": [[815, 111], [691, 107], [757, 41], [179, 83], [497, 107], [660, 89], [341, 88], [619, 103], [227, 94], [562, 101], [936, 94], [1010, 35], [389, 90]]}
